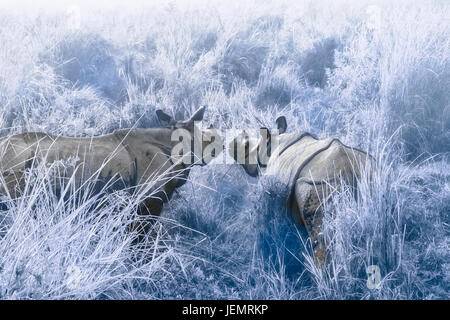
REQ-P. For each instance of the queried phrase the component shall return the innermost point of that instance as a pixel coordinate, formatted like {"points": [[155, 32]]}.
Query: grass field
{"points": [[375, 74]]}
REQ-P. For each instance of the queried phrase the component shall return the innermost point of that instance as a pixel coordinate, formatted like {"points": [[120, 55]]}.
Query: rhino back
{"points": [[15, 152], [291, 160], [338, 160], [304, 156], [103, 155]]}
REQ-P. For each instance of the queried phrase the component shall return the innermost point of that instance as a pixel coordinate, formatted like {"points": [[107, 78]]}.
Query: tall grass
{"points": [[65, 238], [373, 73]]}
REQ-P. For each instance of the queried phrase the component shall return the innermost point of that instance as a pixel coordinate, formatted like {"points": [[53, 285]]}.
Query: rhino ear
{"points": [[281, 124], [164, 117], [198, 115]]}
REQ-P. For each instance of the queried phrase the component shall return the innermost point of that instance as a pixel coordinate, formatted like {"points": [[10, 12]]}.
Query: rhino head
{"points": [[185, 137], [254, 151]]}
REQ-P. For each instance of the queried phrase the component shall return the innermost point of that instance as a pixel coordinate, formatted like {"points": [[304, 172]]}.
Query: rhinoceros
{"points": [[131, 157], [311, 168]]}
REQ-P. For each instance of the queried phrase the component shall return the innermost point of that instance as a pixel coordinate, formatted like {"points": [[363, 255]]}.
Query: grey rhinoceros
{"points": [[312, 170], [133, 158]]}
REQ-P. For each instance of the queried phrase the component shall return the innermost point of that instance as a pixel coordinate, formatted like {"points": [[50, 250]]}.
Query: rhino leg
{"points": [[143, 224], [152, 206], [309, 198]]}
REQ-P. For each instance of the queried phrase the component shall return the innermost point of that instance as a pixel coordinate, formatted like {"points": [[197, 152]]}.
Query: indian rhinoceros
{"points": [[133, 158], [311, 168]]}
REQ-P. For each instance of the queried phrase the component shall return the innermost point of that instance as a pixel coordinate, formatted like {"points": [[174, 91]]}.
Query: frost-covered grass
{"points": [[375, 74]]}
